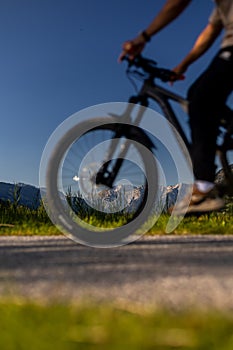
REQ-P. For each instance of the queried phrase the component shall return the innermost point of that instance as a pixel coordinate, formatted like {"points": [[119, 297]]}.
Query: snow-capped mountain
{"points": [[127, 197], [123, 196], [112, 200]]}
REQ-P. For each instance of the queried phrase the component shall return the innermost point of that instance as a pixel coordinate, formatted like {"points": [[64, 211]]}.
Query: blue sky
{"points": [[60, 56]]}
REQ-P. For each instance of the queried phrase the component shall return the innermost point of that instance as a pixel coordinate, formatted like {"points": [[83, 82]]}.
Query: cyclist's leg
{"points": [[207, 97]]}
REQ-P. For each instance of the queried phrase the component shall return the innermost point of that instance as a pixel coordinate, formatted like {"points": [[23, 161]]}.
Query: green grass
{"points": [[19, 220], [39, 327], [212, 223], [30, 228]]}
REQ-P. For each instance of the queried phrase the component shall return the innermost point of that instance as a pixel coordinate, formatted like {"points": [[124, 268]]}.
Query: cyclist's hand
{"points": [[174, 77], [178, 75], [132, 48]]}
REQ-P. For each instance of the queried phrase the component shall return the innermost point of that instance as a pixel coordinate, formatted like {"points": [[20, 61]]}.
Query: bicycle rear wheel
{"points": [[91, 213]]}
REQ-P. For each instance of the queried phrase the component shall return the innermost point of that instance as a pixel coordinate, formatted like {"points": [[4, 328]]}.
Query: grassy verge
{"points": [[32, 326], [18, 220], [212, 223], [30, 228]]}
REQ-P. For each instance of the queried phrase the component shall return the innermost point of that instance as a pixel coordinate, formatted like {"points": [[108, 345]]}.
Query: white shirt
{"points": [[223, 13]]}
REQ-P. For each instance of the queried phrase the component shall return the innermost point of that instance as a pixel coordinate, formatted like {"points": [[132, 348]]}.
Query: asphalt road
{"points": [[175, 272]]}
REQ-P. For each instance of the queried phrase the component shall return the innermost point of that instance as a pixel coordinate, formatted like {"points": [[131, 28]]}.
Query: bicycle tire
{"points": [[68, 221]]}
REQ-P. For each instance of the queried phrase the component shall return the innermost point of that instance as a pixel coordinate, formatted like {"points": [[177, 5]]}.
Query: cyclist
{"points": [[207, 96]]}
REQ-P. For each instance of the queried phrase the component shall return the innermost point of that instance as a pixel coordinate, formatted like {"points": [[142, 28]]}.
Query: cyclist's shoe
{"points": [[199, 202]]}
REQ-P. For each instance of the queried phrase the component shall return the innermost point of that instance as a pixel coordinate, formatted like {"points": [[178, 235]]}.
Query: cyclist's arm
{"points": [[171, 10], [202, 44]]}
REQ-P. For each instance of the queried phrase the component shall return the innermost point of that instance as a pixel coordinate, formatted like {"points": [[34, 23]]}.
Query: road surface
{"points": [[176, 272]]}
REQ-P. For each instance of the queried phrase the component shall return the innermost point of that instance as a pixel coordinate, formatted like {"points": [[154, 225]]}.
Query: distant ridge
{"points": [[30, 196], [20, 193]]}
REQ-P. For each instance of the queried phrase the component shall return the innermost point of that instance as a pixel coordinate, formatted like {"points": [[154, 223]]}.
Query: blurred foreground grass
{"points": [[26, 325]]}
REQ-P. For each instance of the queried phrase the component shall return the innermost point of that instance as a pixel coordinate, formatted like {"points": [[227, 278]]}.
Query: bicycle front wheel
{"points": [[91, 213]]}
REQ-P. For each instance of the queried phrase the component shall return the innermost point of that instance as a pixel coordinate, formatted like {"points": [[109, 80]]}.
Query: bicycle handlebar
{"points": [[149, 66]]}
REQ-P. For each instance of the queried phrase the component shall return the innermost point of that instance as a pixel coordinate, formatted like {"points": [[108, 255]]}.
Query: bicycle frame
{"points": [[162, 96]]}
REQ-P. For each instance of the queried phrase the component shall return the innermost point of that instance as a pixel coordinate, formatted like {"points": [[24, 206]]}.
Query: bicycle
{"points": [[121, 139]]}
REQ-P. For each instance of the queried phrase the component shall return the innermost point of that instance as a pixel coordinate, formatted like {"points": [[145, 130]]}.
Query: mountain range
{"points": [[30, 196], [21, 194]]}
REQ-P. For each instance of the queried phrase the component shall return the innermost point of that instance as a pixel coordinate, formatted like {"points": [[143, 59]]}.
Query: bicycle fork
{"points": [[110, 168], [132, 133]]}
